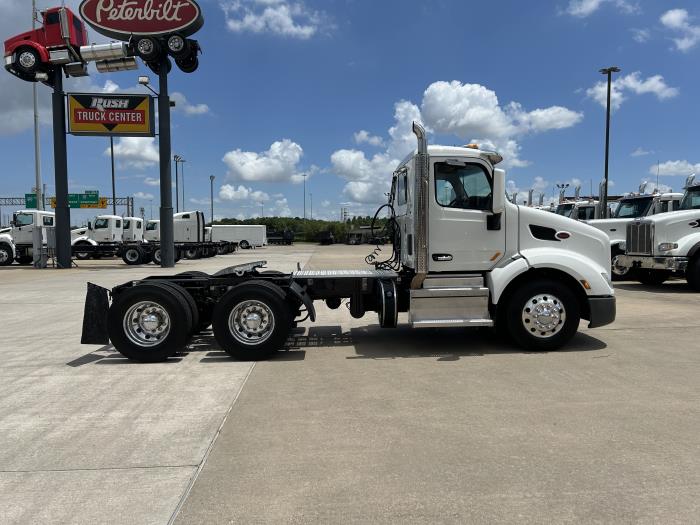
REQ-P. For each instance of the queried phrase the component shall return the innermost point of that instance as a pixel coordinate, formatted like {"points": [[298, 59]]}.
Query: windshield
{"points": [[101, 223], [151, 226], [691, 199], [632, 208], [23, 219], [564, 209]]}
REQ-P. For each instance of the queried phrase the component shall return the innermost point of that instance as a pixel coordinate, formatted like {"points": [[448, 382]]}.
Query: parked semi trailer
{"points": [[629, 208], [246, 235], [462, 257], [667, 244]]}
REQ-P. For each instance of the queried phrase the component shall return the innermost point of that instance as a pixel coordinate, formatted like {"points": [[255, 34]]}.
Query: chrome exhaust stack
{"points": [[421, 208]]}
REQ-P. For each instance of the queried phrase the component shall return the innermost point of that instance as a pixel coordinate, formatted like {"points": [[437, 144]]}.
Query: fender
{"points": [[43, 53], [576, 264], [695, 250], [83, 239], [300, 293], [500, 277], [688, 245]]}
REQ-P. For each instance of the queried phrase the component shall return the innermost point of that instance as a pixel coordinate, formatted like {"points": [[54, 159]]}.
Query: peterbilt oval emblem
{"points": [[562, 235], [121, 19]]}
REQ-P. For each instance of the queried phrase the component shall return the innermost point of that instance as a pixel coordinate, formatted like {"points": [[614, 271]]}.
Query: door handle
{"points": [[442, 257]]}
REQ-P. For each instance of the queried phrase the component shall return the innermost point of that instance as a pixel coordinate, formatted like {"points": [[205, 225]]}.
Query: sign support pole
{"points": [[167, 237], [114, 189], [63, 247]]}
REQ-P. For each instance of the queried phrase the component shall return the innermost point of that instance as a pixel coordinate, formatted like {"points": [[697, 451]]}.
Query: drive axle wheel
{"points": [[148, 323], [5, 255], [252, 321], [542, 315], [133, 256]]}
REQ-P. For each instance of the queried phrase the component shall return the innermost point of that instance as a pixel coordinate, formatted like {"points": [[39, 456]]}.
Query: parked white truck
{"points": [[246, 235], [17, 244], [462, 257], [629, 208], [666, 244]]}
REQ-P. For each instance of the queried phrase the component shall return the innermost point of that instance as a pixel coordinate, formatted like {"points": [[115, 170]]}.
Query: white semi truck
{"points": [[462, 257], [17, 243], [666, 244], [629, 208], [246, 235]]}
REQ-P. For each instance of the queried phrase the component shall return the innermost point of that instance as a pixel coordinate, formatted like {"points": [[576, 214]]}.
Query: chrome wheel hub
{"points": [[27, 60], [146, 324], [251, 322], [145, 46], [4, 255], [543, 315], [616, 268]]}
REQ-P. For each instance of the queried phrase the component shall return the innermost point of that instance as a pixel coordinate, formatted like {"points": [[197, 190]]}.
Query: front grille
{"points": [[640, 238]]}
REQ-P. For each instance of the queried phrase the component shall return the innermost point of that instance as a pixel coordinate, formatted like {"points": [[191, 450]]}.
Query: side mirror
{"points": [[498, 197]]}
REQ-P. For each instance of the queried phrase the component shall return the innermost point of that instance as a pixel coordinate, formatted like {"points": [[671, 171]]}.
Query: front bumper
{"points": [[673, 264], [602, 311]]}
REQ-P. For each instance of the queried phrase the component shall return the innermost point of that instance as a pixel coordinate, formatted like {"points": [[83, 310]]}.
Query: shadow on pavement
{"points": [[370, 342], [677, 287]]}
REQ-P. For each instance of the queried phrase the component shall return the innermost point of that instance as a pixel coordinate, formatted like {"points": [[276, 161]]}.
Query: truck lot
{"points": [[353, 423]]}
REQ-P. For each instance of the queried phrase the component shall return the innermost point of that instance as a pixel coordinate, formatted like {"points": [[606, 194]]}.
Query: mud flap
{"points": [[95, 316]]}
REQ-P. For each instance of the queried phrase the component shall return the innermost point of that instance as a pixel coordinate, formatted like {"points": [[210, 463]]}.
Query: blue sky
{"points": [[327, 90]]}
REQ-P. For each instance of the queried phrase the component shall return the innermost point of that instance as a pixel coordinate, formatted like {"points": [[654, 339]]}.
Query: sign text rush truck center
{"points": [[127, 115]]}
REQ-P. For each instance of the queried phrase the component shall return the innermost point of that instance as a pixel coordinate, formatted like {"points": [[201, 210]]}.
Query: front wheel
{"points": [[542, 315], [252, 321], [653, 277], [692, 274], [28, 61], [618, 272], [82, 255], [6, 255]]}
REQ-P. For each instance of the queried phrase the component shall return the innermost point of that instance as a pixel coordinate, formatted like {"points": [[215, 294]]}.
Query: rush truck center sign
{"points": [[116, 115], [121, 19]]}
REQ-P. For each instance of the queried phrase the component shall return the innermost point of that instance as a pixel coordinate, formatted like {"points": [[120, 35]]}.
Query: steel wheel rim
{"points": [[251, 322], [618, 270], [543, 316], [145, 46], [132, 255], [27, 60], [146, 324], [4, 255]]}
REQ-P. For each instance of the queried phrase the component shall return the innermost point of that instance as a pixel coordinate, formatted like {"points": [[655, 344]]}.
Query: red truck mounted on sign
{"points": [[56, 42]]}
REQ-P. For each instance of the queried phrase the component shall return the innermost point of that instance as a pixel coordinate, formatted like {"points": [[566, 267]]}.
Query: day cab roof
{"points": [[40, 212], [468, 151]]}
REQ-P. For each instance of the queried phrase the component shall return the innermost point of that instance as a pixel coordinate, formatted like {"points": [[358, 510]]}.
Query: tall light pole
{"points": [[304, 196], [604, 198], [37, 145], [211, 189], [176, 158], [182, 172], [114, 187], [311, 202]]}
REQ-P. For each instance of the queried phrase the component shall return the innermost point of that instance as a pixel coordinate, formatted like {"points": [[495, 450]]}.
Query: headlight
{"points": [[667, 246]]}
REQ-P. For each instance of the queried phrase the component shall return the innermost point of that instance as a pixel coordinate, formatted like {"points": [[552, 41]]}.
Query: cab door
{"points": [[464, 235]]}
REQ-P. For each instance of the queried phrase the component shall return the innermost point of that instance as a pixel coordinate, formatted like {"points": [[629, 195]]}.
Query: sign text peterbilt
{"points": [[116, 115], [121, 19]]}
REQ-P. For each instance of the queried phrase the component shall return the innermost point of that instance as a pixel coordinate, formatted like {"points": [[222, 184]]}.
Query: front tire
{"points": [[617, 272], [542, 315], [692, 274], [148, 323], [82, 255], [27, 61], [6, 256], [252, 321]]}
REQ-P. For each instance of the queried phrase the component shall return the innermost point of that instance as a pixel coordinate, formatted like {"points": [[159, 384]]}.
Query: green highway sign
{"points": [[30, 201], [89, 199]]}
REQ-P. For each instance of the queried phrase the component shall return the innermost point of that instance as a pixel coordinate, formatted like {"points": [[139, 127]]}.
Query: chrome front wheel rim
{"points": [[251, 322], [146, 324], [543, 315], [27, 60], [4, 255], [618, 270]]}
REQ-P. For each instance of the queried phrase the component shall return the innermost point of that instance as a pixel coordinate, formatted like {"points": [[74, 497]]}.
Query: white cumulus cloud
{"points": [[585, 8], [184, 105], [135, 152], [280, 163], [143, 195], [365, 137], [279, 17], [679, 22], [228, 192], [632, 83], [675, 167], [640, 152]]}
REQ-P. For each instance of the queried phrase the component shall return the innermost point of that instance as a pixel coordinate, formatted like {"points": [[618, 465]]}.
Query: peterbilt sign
{"points": [[121, 19], [116, 115]]}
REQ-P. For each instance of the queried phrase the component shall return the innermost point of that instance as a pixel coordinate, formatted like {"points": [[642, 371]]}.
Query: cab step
{"points": [[452, 300]]}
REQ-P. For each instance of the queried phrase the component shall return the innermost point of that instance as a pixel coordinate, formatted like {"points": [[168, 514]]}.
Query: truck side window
{"points": [[119, 223], [51, 18], [402, 191], [138, 225], [101, 224], [48, 221], [676, 205], [186, 216], [467, 187], [127, 225]]}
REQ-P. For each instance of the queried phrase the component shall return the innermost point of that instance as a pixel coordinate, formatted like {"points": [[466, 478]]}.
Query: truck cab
{"points": [[631, 207], [661, 245], [133, 229], [152, 231], [56, 42], [102, 230], [581, 210], [189, 226], [17, 244]]}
